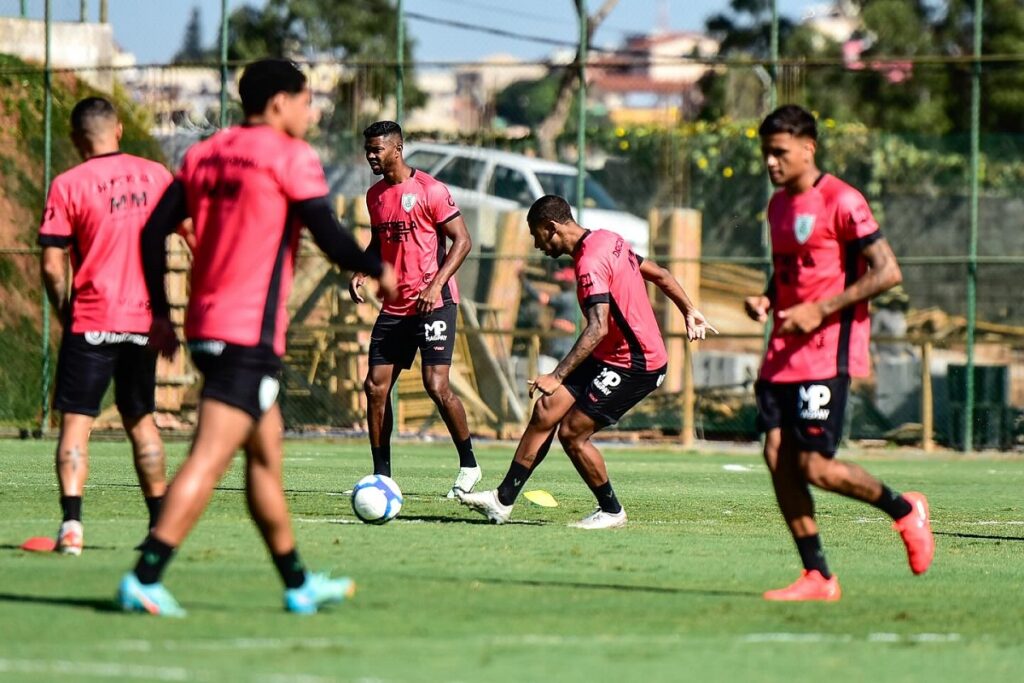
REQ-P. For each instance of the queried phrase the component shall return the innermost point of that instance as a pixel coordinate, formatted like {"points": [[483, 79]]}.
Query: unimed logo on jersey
{"points": [[813, 402], [607, 381], [435, 331]]}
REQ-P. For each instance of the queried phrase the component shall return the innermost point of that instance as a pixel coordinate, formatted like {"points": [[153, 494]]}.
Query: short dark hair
{"points": [[263, 79], [382, 129], [792, 119], [550, 207], [90, 112]]}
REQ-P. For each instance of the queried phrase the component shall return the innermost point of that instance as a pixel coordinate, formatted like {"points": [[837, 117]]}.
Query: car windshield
{"points": [[565, 186]]}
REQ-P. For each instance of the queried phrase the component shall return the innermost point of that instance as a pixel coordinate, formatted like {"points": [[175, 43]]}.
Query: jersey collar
{"points": [[579, 245]]}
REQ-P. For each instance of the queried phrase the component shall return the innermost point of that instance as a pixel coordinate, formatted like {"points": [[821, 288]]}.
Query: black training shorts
{"points": [[810, 412], [395, 338], [87, 362], [246, 377], [607, 392]]}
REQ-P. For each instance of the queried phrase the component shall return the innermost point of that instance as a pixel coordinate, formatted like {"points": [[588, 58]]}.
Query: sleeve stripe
{"points": [[862, 243], [450, 218], [597, 299], [62, 241]]}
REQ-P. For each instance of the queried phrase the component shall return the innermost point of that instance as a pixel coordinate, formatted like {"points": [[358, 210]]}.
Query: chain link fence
{"points": [[688, 191]]}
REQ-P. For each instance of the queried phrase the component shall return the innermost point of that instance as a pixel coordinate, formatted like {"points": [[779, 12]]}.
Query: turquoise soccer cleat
{"points": [[134, 596], [318, 590]]}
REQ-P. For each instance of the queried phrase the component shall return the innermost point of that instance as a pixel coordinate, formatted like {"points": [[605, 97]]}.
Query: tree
{"points": [[191, 49], [553, 125], [526, 103]]}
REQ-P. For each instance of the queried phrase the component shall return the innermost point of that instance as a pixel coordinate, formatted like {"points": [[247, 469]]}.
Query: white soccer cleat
{"points": [[487, 504], [599, 519], [69, 538], [468, 478]]}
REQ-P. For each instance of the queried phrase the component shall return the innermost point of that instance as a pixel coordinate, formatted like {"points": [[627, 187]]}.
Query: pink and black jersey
{"points": [[607, 271], [817, 240], [98, 209], [407, 220], [239, 186]]}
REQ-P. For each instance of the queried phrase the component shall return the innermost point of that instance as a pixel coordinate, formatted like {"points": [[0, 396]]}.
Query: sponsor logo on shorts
{"points": [[435, 331], [211, 347], [661, 379], [607, 381], [813, 402], [101, 338]]}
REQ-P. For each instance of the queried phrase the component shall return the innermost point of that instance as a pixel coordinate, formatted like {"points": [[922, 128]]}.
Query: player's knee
{"points": [[817, 472], [375, 391], [437, 387], [570, 437]]}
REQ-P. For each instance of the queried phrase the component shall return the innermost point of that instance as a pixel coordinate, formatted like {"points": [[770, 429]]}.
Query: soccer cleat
{"points": [[810, 586], [487, 504], [916, 531], [599, 519], [69, 538], [466, 480], [317, 591], [134, 596]]}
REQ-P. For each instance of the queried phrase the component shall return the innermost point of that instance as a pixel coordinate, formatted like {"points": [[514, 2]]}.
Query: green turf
{"points": [[443, 597]]}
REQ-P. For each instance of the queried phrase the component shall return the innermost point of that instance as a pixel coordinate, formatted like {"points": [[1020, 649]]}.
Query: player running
{"points": [[618, 359], [248, 189], [829, 258], [97, 211], [412, 217]]}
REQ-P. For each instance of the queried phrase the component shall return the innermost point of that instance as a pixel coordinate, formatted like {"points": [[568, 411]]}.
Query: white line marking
{"points": [[847, 638], [99, 670], [736, 468]]}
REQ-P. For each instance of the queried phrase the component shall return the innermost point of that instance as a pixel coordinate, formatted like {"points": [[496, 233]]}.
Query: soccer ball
{"points": [[376, 499]]}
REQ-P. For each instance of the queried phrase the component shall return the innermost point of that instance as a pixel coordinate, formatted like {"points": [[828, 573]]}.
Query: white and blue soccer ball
{"points": [[376, 499]]}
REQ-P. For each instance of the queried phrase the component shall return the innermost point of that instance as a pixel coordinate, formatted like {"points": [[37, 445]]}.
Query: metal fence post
{"points": [[581, 133], [24, 9], [44, 397], [83, 11], [972, 256], [223, 63], [400, 65]]}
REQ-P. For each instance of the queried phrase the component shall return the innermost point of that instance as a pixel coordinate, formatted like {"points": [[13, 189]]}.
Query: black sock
{"points": [[893, 503], [290, 567], [381, 459], [153, 561], [153, 504], [812, 555], [513, 483], [71, 506], [465, 449], [605, 495]]}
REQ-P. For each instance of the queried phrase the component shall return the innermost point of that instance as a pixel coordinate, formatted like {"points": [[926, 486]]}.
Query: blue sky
{"points": [[153, 29]]}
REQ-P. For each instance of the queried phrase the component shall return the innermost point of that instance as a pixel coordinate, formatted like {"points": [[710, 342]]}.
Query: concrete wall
{"points": [[72, 44]]}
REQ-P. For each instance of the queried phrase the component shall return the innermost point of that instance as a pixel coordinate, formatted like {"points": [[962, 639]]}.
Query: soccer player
{"points": [[829, 258], [248, 190], [412, 217], [618, 359], [97, 210]]}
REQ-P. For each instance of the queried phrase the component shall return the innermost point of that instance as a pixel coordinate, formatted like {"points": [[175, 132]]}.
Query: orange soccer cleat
{"points": [[810, 586], [916, 531]]}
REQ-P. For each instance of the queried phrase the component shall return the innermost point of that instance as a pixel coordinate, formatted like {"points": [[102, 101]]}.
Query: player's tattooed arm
{"points": [[593, 333], [455, 230], [883, 273], [696, 324], [53, 265]]}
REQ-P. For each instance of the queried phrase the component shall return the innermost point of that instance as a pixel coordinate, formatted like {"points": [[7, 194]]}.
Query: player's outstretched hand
{"points": [[801, 319], [353, 288], [757, 307], [387, 284], [697, 326], [545, 384], [162, 337]]}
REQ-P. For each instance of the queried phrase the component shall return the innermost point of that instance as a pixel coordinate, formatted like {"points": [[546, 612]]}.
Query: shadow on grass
{"points": [[96, 604], [465, 520], [11, 546], [626, 588], [957, 534]]}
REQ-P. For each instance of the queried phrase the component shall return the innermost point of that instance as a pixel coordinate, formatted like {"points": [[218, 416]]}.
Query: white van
{"points": [[488, 181]]}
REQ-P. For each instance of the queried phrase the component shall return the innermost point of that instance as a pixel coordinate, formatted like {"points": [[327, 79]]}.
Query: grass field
{"points": [[445, 597]]}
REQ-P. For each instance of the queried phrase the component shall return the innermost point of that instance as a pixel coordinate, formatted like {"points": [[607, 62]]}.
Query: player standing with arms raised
{"points": [[97, 211], [618, 359], [829, 259], [248, 189], [412, 217]]}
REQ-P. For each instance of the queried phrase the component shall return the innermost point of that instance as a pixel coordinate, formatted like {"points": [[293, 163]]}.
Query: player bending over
{"points": [[249, 189], [97, 210], [618, 359], [829, 258]]}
